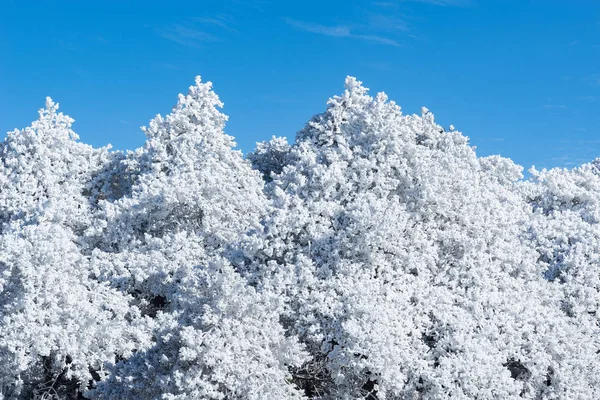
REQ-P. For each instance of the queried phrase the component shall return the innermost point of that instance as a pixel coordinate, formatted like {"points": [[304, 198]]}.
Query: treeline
{"points": [[376, 257]]}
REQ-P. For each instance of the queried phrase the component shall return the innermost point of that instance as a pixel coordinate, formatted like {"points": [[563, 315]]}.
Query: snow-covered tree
{"points": [[195, 204], [403, 259], [269, 157], [188, 172], [376, 257], [59, 327], [44, 167], [222, 341], [564, 229]]}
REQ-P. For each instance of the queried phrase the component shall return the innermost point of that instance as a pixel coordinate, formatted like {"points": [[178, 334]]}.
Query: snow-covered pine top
{"points": [[190, 178], [44, 172]]}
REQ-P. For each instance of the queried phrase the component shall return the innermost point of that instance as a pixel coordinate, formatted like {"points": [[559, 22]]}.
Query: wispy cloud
{"points": [[197, 31], [454, 3], [387, 23], [252, 4], [587, 98], [393, 17], [588, 142], [554, 106], [569, 160], [384, 21], [187, 35], [337, 31], [340, 31], [166, 65], [222, 21], [593, 79]]}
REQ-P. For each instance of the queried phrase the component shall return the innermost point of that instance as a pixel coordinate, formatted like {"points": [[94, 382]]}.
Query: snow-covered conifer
{"points": [[44, 172], [196, 204], [403, 258], [188, 173], [376, 257], [58, 326]]}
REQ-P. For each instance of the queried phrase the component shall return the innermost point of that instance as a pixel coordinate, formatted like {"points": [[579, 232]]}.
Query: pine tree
{"points": [[195, 203], [376, 257], [404, 261], [58, 324]]}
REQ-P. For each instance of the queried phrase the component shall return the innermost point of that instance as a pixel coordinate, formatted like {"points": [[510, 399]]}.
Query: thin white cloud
{"points": [[586, 98], [378, 39], [554, 106], [222, 21], [570, 160], [186, 35], [588, 141], [336, 31], [454, 3], [592, 80], [339, 31], [387, 23], [197, 31]]}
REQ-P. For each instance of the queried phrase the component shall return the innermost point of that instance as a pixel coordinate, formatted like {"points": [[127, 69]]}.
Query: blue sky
{"points": [[520, 78]]}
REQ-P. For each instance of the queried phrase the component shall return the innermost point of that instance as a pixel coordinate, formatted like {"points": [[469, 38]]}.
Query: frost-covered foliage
{"points": [[195, 201], [404, 261], [565, 232], [269, 157], [222, 341], [58, 326], [376, 257], [44, 170]]}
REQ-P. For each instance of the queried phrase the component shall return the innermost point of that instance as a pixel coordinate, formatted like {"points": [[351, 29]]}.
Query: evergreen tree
{"points": [[196, 200], [376, 257]]}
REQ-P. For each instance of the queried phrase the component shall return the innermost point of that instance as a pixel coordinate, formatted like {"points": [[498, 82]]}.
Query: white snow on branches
{"points": [[376, 257]]}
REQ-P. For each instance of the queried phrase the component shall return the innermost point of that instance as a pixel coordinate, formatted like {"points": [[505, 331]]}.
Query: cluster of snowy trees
{"points": [[376, 257]]}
